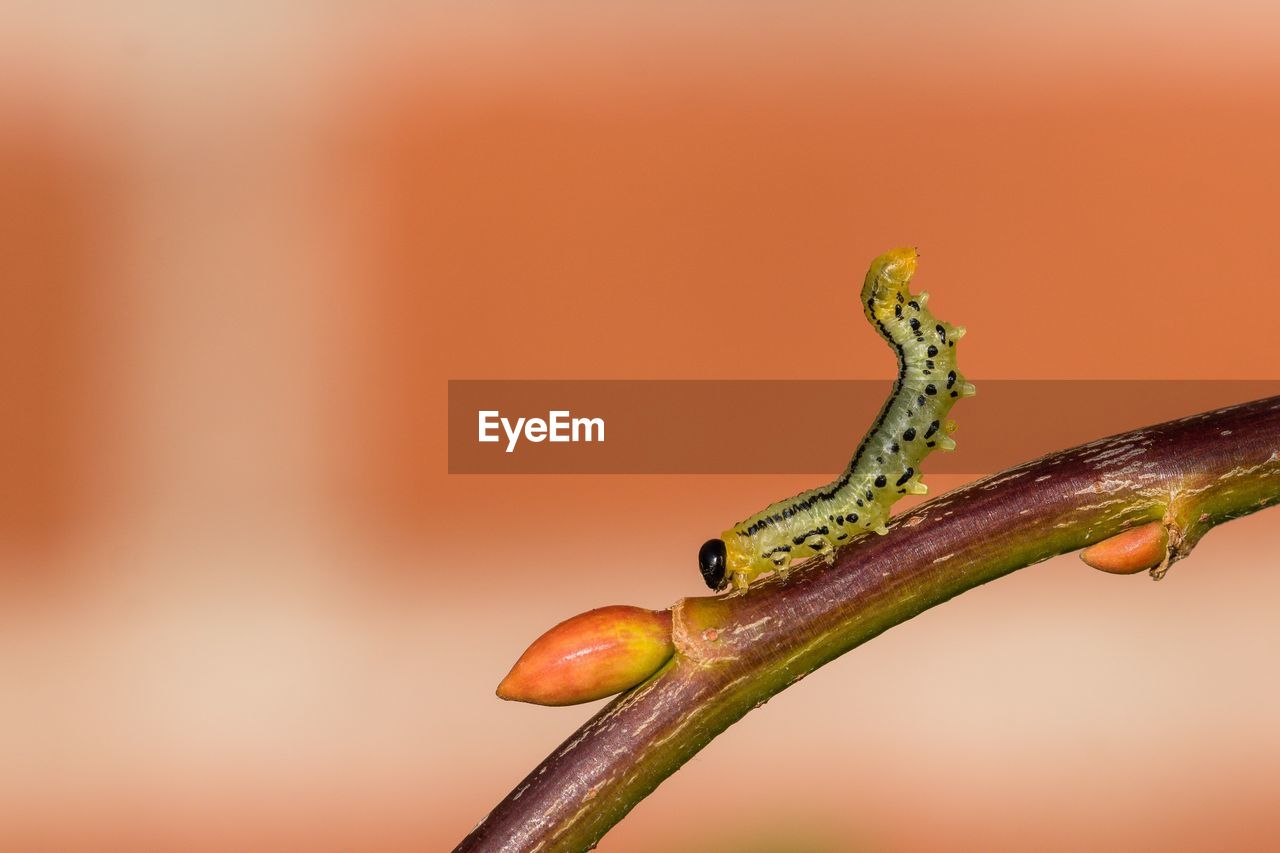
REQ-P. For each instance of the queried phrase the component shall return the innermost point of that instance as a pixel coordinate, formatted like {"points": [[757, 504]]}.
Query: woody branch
{"points": [[734, 652]]}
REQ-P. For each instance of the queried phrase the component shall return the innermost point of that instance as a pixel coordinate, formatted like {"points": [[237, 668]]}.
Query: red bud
{"points": [[1129, 552], [590, 656]]}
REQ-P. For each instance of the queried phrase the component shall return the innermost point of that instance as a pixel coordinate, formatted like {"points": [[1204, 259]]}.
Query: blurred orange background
{"points": [[243, 248]]}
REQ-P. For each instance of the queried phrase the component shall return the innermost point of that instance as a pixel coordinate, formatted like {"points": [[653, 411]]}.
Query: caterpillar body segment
{"points": [[911, 424]]}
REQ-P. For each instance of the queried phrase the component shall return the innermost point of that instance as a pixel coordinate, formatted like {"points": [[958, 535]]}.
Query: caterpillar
{"points": [[911, 425]]}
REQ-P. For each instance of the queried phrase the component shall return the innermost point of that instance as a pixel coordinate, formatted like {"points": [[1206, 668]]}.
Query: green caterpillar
{"points": [[886, 465]]}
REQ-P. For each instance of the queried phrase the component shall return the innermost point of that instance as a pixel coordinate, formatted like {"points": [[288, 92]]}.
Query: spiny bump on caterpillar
{"points": [[886, 465]]}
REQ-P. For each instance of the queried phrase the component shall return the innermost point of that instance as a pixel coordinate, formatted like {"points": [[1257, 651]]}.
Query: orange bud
{"points": [[1129, 552], [590, 656]]}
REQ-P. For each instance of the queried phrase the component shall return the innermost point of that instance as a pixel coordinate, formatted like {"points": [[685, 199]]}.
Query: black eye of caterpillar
{"points": [[711, 562]]}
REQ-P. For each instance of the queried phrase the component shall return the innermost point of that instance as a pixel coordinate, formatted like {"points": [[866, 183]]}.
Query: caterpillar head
{"points": [[889, 272], [713, 563]]}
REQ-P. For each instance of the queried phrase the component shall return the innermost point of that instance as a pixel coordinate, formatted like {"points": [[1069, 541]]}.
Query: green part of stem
{"points": [[735, 652]]}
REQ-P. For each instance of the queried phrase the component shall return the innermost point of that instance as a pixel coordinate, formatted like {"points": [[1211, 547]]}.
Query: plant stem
{"points": [[734, 652]]}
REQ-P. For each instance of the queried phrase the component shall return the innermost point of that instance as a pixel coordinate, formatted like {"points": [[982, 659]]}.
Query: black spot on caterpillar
{"points": [[795, 529]]}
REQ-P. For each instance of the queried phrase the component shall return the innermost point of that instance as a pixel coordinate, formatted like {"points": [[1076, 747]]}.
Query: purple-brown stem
{"points": [[734, 652]]}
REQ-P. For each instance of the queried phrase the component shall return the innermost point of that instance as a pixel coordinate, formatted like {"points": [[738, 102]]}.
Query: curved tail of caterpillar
{"points": [[911, 425]]}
